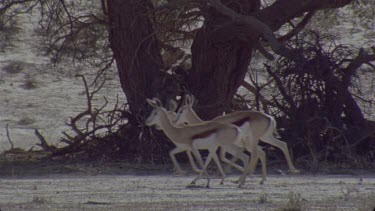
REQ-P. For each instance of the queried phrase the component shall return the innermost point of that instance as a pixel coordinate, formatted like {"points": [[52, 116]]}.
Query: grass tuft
{"points": [[264, 198], [295, 202]]}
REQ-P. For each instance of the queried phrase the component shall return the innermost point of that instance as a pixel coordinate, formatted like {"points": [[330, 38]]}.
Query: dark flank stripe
{"points": [[242, 121], [204, 134]]}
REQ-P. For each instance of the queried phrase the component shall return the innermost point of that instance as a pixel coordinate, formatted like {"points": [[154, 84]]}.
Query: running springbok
{"points": [[172, 107], [208, 135], [260, 125], [246, 143]]}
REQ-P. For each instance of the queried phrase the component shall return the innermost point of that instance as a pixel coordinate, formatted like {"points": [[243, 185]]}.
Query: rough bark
{"points": [[222, 48], [135, 50], [219, 60]]}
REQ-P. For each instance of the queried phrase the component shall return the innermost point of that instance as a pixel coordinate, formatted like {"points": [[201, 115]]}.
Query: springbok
{"points": [[246, 143], [261, 126], [208, 135], [172, 107]]}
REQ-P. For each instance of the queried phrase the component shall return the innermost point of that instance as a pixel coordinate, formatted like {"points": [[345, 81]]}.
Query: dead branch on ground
{"points": [[90, 124], [43, 143]]}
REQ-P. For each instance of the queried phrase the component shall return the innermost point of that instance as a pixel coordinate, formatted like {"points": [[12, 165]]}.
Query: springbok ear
{"points": [[151, 102], [189, 100], [158, 102], [172, 105], [192, 100]]}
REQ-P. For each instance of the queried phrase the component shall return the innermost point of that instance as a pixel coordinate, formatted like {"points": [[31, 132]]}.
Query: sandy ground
{"points": [[130, 187]]}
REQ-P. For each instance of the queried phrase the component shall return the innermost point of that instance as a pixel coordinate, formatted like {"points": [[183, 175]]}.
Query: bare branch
{"points": [[43, 142], [254, 90], [94, 122], [87, 92], [8, 137], [256, 26], [279, 83], [300, 26], [362, 58], [9, 4]]}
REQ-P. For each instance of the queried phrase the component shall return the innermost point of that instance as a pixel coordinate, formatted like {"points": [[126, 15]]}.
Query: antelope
{"points": [[208, 135], [247, 142], [172, 107], [262, 127]]}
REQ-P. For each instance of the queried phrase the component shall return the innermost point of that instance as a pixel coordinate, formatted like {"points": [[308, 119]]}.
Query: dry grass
{"points": [[295, 202]]}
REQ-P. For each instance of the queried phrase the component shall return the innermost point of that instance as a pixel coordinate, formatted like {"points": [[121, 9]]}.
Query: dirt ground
{"points": [[52, 185]]}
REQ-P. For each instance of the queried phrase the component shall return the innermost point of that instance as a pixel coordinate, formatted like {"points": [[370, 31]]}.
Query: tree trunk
{"points": [[137, 54], [220, 60], [136, 51], [221, 51]]}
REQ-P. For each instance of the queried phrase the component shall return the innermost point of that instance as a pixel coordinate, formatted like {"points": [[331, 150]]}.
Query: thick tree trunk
{"points": [[137, 54], [220, 60], [135, 50], [222, 51]]}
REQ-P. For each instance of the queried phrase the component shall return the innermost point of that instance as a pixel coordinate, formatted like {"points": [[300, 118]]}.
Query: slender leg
{"points": [[251, 145], [284, 148], [212, 155], [200, 161], [228, 168], [217, 161], [237, 153], [192, 163], [262, 158], [249, 169], [208, 160], [172, 154]]}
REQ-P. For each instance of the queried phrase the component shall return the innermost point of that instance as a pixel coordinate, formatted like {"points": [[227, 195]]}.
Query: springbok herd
{"points": [[233, 133]]}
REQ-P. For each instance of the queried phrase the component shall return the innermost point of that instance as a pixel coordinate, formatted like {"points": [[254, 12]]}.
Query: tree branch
{"points": [[43, 142], [258, 27], [254, 90], [8, 136], [282, 11], [300, 26], [280, 85]]}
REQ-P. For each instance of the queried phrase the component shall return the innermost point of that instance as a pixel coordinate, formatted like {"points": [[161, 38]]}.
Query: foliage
{"points": [[317, 112]]}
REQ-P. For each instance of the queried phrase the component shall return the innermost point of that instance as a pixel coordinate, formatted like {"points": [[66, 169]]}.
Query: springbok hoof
{"points": [[240, 182], [295, 171], [193, 186], [237, 181], [180, 173]]}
